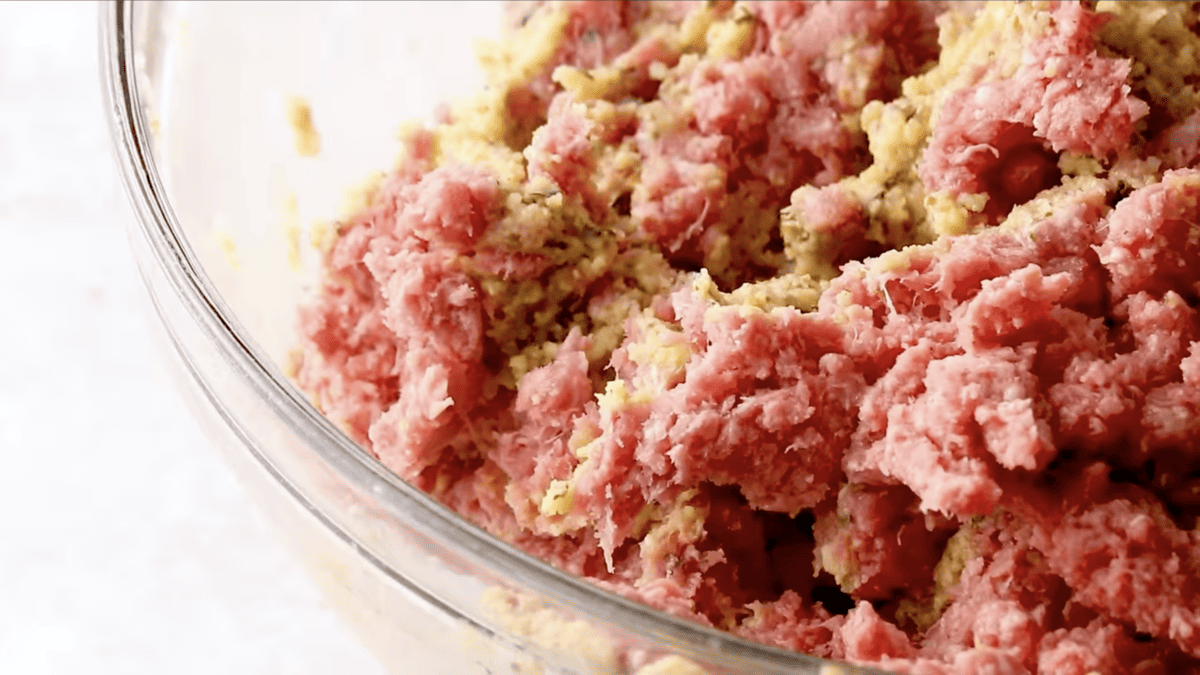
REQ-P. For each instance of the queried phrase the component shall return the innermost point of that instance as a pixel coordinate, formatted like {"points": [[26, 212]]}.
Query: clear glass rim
{"points": [[129, 132]]}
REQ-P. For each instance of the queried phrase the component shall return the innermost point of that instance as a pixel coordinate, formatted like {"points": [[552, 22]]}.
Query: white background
{"points": [[125, 546]]}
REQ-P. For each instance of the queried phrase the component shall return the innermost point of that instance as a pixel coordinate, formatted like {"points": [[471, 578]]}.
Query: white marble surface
{"points": [[125, 546]]}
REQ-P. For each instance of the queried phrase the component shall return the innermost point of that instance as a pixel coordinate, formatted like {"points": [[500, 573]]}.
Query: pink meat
{"points": [[772, 121], [764, 406], [796, 479], [848, 531], [996, 138], [1153, 239], [1127, 561]]}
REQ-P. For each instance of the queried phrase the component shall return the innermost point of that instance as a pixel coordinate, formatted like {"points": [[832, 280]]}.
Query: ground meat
{"points": [[864, 329]]}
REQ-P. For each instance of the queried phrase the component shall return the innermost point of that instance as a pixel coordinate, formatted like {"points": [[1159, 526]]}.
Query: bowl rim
{"points": [[133, 148]]}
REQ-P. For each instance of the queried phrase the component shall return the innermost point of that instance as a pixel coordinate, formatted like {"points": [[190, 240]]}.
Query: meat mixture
{"points": [[863, 329]]}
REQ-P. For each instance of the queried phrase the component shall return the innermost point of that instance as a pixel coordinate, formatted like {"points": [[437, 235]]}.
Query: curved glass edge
{"points": [[132, 143]]}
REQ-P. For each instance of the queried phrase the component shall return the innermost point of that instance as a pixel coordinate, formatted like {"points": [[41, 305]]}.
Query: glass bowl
{"points": [[197, 99]]}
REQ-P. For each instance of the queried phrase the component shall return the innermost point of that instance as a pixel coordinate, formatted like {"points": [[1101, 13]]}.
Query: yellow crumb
{"points": [[322, 236], [225, 241], [308, 141], [550, 629], [359, 197], [292, 361], [733, 37], [588, 85], [557, 500], [291, 229]]}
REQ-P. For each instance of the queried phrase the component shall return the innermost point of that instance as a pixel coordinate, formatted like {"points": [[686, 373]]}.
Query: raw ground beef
{"points": [[864, 329]]}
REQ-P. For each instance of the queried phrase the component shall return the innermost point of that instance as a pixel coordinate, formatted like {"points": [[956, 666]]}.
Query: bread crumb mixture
{"points": [[863, 329]]}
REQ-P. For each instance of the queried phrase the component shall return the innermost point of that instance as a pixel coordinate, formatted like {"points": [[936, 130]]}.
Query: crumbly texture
{"points": [[867, 330]]}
